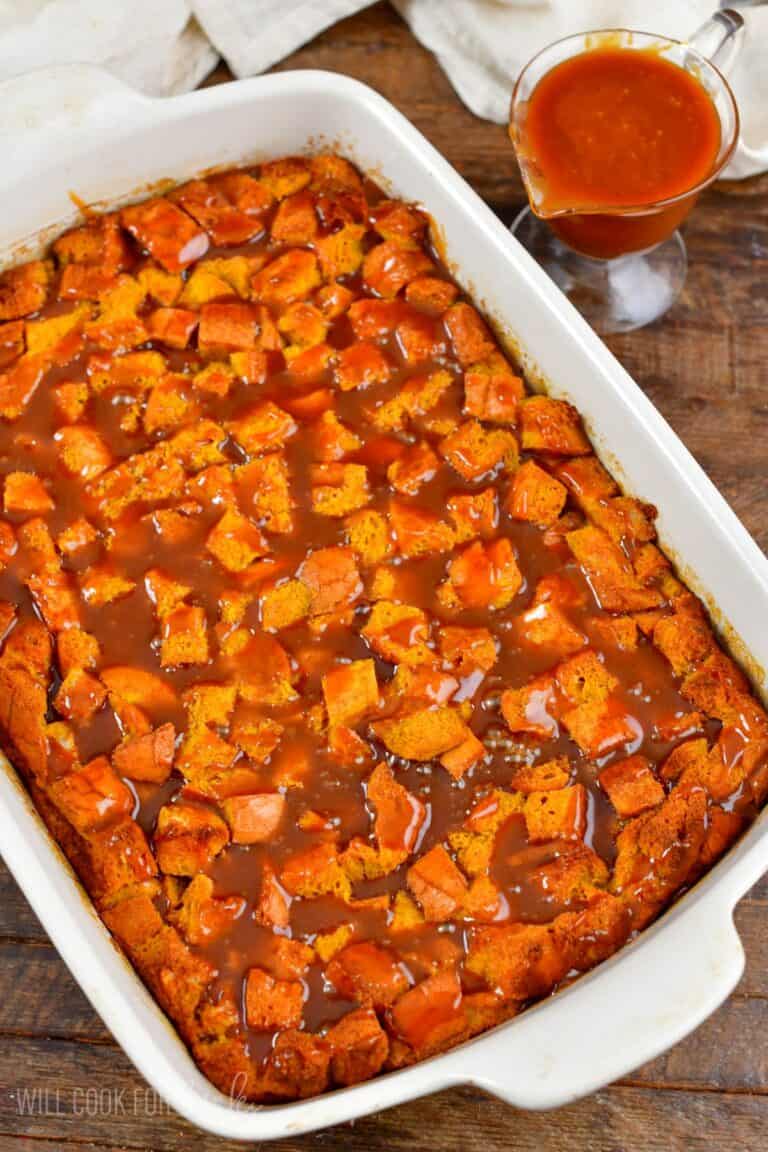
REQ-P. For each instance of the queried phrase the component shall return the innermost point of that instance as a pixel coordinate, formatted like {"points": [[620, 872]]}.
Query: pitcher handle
{"points": [[720, 41]]}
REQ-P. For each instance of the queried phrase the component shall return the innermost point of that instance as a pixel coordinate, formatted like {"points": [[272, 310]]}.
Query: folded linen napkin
{"points": [[168, 47]]}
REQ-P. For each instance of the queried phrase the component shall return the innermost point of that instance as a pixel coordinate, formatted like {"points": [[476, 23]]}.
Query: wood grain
{"points": [[705, 366]]}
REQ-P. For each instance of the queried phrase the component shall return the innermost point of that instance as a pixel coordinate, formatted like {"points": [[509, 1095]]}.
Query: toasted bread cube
{"points": [[616, 632], [172, 326], [521, 960], [423, 734], [165, 591], [399, 223], [420, 338], [546, 776], [492, 391], [530, 709], [558, 814], [167, 233], [482, 576], [207, 203], [295, 221], [19, 384], [660, 851], [358, 1045], [254, 819], [24, 289], [438, 885], [431, 294], [685, 639], [338, 489], [341, 253], [416, 467], [138, 687], [467, 650], [76, 649], [368, 973], [351, 692], [99, 242], [101, 584], [553, 426], [398, 633], [71, 399], [228, 325], [304, 325], [464, 756], [184, 637], [717, 687], [474, 514], [387, 268], [162, 287], [236, 542], [376, 320], [610, 573], [332, 576], [284, 605], [147, 758], [83, 452], [285, 177], [79, 696], [417, 531], [316, 872], [361, 365], [474, 451], [584, 679], [262, 428], [188, 837], [25, 494], [432, 1014], [536, 496], [92, 796], [369, 536], [289, 277], [400, 815], [631, 786], [543, 625], [12, 343], [470, 336], [599, 727], [271, 1004], [77, 536], [332, 440]]}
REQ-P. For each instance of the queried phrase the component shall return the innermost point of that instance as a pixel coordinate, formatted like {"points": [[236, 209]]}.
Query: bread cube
{"points": [[482, 576], [255, 818], [188, 837], [351, 692], [83, 452], [263, 428], [80, 696], [418, 532], [631, 786], [236, 542], [287, 278], [492, 391], [423, 734], [148, 758], [368, 973], [388, 267], [474, 451], [93, 796], [360, 365], [166, 233], [184, 637], [552, 426], [338, 489], [173, 327], [358, 1045], [470, 335], [24, 289], [207, 203], [272, 1004], [25, 494], [431, 294], [530, 710]]}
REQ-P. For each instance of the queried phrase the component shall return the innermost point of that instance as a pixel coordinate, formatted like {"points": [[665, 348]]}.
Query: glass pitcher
{"points": [[623, 266]]}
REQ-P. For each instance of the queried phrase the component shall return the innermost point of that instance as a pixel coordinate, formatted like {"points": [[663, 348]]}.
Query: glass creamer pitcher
{"points": [[619, 257]]}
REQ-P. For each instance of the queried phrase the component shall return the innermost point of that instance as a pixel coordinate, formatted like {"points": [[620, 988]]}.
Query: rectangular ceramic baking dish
{"points": [[77, 130]]}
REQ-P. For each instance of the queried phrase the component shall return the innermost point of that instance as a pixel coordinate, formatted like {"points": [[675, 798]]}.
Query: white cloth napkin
{"points": [[167, 46]]}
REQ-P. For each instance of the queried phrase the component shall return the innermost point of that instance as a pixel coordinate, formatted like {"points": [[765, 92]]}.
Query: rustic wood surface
{"points": [[64, 1084]]}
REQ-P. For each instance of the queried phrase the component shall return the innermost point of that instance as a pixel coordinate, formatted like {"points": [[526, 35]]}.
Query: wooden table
{"points": [[63, 1082]]}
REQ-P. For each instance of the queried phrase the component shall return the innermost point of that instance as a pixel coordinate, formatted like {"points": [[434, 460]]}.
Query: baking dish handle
{"points": [[635, 1007], [64, 98]]}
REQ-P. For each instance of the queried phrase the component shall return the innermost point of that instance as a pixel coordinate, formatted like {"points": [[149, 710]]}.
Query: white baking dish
{"points": [[77, 130]]}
